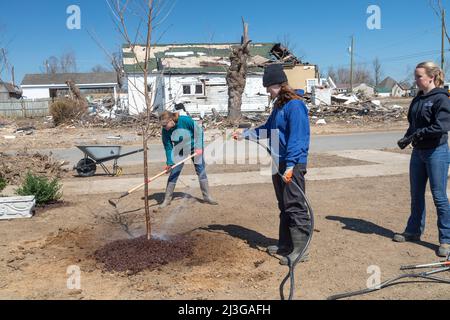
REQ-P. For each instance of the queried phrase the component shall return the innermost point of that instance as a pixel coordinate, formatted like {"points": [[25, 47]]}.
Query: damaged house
{"points": [[195, 74], [9, 91]]}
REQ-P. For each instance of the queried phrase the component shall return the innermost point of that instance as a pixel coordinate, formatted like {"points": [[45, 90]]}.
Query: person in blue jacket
{"points": [[182, 137], [288, 131], [429, 123]]}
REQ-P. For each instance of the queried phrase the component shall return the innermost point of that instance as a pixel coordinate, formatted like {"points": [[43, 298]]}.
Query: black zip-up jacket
{"points": [[429, 119]]}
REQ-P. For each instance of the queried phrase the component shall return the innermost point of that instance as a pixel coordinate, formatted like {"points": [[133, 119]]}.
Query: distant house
{"points": [[365, 88], [46, 86], [391, 88], [9, 91], [406, 87]]}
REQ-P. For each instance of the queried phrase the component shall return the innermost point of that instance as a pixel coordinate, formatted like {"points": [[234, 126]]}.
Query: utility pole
{"points": [[443, 41], [13, 76], [351, 63]]}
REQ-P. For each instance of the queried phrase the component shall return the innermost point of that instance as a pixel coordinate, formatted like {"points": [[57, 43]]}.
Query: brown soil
{"points": [[355, 221], [135, 255], [14, 168]]}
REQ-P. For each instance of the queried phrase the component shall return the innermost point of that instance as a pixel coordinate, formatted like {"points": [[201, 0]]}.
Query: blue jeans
{"points": [[200, 169], [432, 165]]}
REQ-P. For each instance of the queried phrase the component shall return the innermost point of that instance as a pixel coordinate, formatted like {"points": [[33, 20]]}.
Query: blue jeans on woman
{"points": [[200, 169], [432, 165]]}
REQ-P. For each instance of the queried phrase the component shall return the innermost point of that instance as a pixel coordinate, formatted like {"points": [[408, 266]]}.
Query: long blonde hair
{"points": [[433, 70]]}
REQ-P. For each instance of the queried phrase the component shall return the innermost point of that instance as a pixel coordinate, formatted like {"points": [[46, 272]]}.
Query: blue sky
{"points": [[319, 30]]}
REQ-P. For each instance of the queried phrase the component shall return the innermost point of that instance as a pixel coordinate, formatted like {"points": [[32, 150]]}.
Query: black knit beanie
{"points": [[274, 74]]}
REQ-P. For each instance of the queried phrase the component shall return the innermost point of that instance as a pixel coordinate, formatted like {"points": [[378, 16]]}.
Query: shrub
{"points": [[65, 110], [42, 188], [3, 184]]}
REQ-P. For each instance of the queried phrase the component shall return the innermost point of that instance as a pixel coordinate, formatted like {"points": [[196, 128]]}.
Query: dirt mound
{"points": [[13, 168], [139, 254]]}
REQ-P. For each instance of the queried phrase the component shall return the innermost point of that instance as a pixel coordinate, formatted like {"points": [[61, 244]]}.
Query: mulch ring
{"points": [[136, 255]]}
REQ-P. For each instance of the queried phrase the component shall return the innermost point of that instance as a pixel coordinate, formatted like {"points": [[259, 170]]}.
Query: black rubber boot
{"points": [[169, 195], [284, 246], [204, 186], [299, 240]]}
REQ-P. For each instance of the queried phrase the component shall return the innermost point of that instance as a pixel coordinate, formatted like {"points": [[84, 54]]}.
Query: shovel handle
{"points": [[159, 175]]}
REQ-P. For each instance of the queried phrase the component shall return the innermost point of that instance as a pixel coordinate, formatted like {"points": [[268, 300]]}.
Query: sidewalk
{"points": [[385, 164]]}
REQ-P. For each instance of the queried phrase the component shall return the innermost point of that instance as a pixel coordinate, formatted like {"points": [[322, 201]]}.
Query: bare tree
{"points": [[99, 68], [237, 75], [377, 71], [51, 65], [150, 14], [66, 63], [360, 75], [332, 74], [5, 66], [115, 59]]}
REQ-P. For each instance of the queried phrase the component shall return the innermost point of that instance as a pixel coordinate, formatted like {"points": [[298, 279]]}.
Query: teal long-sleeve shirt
{"points": [[186, 135]]}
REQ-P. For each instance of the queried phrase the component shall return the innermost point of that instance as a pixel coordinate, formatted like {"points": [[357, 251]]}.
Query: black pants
{"points": [[291, 202]]}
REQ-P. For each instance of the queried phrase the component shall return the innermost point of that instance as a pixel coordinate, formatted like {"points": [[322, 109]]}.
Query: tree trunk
{"points": [[237, 76]]}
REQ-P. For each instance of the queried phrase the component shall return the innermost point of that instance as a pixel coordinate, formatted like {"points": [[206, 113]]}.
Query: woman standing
{"points": [[429, 123], [182, 137], [288, 132]]}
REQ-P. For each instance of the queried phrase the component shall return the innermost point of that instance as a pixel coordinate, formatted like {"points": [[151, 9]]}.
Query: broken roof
{"points": [[387, 83], [10, 88], [405, 85], [192, 58], [78, 78]]}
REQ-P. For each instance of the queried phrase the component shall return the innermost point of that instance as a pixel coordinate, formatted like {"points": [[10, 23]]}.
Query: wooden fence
{"points": [[25, 108]]}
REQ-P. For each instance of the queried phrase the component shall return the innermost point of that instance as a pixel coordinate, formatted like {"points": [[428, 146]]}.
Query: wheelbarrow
{"points": [[98, 155]]}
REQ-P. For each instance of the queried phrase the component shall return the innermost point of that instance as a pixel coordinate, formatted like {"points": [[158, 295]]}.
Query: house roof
{"points": [[192, 58], [405, 85], [388, 83], [61, 78], [10, 88]]}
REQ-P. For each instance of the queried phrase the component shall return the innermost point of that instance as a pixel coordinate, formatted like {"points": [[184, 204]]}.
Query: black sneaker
{"points": [[406, 237]]}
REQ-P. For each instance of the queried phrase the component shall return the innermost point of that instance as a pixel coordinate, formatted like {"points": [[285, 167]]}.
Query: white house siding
{"points": [[215, 93], [36, 92], [397, 91]]}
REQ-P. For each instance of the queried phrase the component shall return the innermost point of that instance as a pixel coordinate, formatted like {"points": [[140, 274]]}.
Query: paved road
{"points": [[363, 141]]}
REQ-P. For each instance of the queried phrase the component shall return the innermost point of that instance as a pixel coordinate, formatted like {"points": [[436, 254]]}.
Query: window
{"points": [[199, 89], [193, 89], [186, 89]]}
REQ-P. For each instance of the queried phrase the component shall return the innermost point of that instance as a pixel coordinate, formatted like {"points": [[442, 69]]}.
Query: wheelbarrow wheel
{"points": [[86, 167]]}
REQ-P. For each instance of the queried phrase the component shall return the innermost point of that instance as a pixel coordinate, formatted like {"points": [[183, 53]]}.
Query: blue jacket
{"points": [[291, 122], [187, 134]]}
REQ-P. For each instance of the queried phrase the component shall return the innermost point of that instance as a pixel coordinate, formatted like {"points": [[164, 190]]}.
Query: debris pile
{"points": [[353, 107], [216, 121], [13, 168], [135, 255]]}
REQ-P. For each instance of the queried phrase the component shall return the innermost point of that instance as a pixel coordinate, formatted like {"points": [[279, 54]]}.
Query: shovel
{"points": [[114, 204]]}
